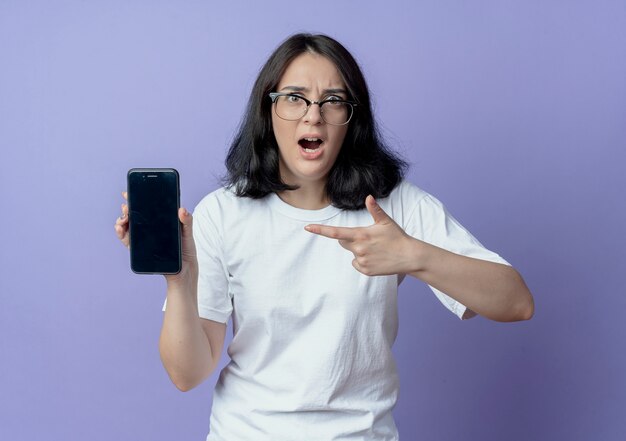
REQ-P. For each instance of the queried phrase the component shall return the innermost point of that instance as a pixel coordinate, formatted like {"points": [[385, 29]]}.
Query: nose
{"points": [[313, 114]]}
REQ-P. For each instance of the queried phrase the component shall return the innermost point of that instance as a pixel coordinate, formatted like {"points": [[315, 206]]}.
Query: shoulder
{"points": [[217, 198], [223, 203], [408, 204], [407, 191], [404, 198]]}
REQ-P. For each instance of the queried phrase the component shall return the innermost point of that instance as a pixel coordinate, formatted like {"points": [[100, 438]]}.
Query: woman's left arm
{"points": [[493, 290]]}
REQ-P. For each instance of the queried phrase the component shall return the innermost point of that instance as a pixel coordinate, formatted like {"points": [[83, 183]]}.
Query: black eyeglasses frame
{"points": [[275, 95]]}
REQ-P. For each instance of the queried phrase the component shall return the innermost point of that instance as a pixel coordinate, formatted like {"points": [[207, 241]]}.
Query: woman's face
{"points": [[308, 147]]}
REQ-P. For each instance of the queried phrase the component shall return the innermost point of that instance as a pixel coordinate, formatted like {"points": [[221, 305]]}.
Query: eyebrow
{"points": [[306, 89]]}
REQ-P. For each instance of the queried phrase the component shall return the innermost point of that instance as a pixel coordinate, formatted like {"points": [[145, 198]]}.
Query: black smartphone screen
{"points": [[153, 201]]}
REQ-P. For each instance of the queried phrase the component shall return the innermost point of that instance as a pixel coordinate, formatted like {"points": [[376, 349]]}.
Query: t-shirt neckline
{"points": [[276, 203]]}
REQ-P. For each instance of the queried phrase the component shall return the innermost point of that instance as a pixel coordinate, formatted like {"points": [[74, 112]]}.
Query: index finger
{"points": [[339, 233]]}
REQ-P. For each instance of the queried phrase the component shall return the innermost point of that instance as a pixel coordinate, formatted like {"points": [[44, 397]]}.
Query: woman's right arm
{"points": [[190, 346]]}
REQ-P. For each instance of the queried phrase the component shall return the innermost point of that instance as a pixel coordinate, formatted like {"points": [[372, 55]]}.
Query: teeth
{"points": [[312, 139], [310, 150]]}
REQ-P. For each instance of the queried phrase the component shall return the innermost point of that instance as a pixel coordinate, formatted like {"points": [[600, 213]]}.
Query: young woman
{"points": [[304, 249]]}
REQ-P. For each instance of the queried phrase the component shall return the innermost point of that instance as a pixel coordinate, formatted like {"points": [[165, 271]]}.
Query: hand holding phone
{"points": [[189, 272]]}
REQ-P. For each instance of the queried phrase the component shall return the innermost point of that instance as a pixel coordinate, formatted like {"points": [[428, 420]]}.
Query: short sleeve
{"points": [[214, 299], [432, 223]]}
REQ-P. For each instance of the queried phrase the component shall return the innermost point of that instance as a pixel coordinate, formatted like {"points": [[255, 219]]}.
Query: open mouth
{"points": [[310, 144]]}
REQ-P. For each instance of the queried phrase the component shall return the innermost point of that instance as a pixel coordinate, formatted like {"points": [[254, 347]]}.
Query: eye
{"points": [[293, 99], [334, 100]]}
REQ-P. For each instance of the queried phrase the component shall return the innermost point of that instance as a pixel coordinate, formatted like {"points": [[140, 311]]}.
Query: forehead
{"points": [[311, 71]]}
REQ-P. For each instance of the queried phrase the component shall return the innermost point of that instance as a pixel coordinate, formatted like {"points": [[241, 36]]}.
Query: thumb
{"points": [[378, 214], [186, 221]]}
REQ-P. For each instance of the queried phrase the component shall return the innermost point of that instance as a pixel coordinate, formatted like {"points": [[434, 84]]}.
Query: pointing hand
{"points": [[379, 249]]}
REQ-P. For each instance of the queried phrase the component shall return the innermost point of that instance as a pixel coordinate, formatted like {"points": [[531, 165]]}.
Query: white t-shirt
{"points": [[311, 351]]}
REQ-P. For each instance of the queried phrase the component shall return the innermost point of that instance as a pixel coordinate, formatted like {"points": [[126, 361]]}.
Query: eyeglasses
{"points": [[291, 107]]}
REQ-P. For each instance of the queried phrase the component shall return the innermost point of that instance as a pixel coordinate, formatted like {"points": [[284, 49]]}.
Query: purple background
{"points": [[512, 113]]}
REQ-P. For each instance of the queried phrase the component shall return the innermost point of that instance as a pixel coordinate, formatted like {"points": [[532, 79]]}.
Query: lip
{"points": [[314, 154], [318, 151], [311, 135]]}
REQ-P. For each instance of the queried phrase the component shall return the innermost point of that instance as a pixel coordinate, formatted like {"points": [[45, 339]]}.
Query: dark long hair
{"points": [[364, 164]]}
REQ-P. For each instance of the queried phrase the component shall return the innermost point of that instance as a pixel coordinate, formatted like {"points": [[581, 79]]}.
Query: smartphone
{"points": [[154, 228]]}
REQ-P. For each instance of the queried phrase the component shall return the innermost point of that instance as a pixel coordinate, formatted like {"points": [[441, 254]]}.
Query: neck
{"points": [[308, 197]]}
